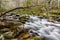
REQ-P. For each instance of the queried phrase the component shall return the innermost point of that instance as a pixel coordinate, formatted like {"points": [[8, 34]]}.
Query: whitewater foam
{"points": [[44, 28]]}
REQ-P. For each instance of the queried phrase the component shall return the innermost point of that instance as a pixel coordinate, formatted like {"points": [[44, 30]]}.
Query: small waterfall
{"points": [[43, 27]]}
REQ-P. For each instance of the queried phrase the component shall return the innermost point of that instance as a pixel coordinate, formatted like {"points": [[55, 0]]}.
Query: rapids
{"points": [[43, 28]]}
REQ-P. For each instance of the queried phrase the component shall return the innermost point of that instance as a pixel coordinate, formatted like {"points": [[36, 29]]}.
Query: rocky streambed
{"points": [[28, 27]]}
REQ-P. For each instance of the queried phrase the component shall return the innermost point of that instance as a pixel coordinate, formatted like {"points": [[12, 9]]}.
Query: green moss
{"points": [[22, 12], [34, 38], [1, 10], [25, 4], [28, 3]]}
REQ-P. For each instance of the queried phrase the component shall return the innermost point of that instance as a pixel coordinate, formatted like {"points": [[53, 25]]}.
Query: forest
{"points": [[29, 19]]}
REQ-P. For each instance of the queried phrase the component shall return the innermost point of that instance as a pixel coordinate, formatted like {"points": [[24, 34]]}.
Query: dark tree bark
{"points": [[2, 14]]}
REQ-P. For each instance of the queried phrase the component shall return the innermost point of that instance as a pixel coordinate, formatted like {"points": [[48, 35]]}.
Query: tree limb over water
{"points": [[2, 14]]}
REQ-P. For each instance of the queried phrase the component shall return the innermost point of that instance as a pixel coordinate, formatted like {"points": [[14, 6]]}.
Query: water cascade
{"points": [[43, 28]]}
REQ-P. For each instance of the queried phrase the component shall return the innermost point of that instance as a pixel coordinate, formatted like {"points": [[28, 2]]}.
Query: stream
{"points": [[44, 28]]}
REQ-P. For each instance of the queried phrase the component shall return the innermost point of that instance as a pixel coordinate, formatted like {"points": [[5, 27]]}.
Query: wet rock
{"points": [[14, 39], [24, 19], [58, 20], [4, 30], [8, 35], [12, 16], [1, 37]]}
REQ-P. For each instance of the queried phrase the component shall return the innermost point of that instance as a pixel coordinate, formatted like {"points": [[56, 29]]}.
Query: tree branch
{"points": [[12, 10], [2, 14]]}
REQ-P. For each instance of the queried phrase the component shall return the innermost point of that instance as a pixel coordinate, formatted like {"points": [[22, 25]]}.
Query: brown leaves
{"points": [[24, 36]]}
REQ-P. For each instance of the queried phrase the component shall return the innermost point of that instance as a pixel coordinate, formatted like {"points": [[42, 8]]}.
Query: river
{"points": [[44, 28]]}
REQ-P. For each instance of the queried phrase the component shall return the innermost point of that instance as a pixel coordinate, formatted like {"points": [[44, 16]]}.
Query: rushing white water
{"points": [[44, 28]]}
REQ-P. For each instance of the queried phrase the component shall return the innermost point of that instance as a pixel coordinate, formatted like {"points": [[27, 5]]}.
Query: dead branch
{"points": [[2, 14]]}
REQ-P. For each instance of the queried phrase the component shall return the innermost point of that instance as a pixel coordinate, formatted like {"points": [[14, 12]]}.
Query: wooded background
{"points": [[8, 4], [40, 6]]}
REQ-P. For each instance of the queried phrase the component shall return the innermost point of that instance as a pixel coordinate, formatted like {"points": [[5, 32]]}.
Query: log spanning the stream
{"points": [[28, 7], [13, 10]]}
